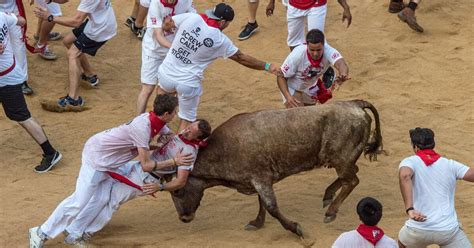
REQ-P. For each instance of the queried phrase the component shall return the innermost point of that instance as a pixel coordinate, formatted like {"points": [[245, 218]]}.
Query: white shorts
{"points": [[413, 238], [149, 69], [188, 97], [53, 8], [296, 26]]}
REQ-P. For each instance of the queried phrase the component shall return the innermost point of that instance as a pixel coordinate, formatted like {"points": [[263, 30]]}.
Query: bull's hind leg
{"points": [[349, 181], [268, 199], [331, 192], [260, 220]]}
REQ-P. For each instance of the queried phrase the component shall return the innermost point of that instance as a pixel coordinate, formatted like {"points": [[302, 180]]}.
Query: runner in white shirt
{"points": [[156, 44], [368, 234], [113, 197], [11, 95], [428, 184], [108, 151], [198, 42], [303, 68], [94, 24], [315, 13], [43, 31]]}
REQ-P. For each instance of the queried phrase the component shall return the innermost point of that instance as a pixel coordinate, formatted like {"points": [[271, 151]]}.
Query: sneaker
{"points": [[48, 162], [73, 240], [248, 30], [26, 89], [46, 53], [36, 241], [130, 20], [87, 236], [93, 80], [395, 6], [67, 100], [407, 15], [141, 33], [51, 36]]}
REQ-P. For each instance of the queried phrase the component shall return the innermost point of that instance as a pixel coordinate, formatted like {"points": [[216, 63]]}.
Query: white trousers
{"points": [[69, 214], [296, 23]]}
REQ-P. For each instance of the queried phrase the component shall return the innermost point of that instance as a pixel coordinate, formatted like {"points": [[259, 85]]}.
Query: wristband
{"points": [[174, 162], [408, 209], [267, 66]]}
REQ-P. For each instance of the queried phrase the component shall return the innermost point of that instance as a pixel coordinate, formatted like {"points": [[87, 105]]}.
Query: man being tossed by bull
{"points": [[301, 82]]}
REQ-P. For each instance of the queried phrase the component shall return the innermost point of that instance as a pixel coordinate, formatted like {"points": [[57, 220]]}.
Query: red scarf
{"points": [[169, 5], [125, 180], [314, 63], [428, 156], [195, 143], [156, 124], [210, 22], [21, 10], [371, 233]]}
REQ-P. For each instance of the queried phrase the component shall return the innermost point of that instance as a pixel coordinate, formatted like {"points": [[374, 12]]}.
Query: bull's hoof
{"points": [[326, 202], [251, 227], [299, 230], [329, 218]]}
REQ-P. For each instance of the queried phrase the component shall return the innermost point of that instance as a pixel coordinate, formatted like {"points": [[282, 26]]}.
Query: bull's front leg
{"points": [[268, 199], [260, 220]]}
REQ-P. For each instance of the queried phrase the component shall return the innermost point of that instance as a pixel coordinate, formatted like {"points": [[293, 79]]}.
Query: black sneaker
{"points": [[248, 30], [67, 100], [48, 162], [139, 32], [26, 89], [93, 80], [129, 21]]}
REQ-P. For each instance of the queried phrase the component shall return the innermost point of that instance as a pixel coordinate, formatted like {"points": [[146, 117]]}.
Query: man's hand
{"points": [[341, 79], [276, 70], [183, 159], [41, 13], [416, 216], [150, 188], [292, 102], [270, 8], [168, 24], [346, 15]]}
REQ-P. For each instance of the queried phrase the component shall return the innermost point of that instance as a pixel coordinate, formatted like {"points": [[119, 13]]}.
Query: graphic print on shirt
{"points": [[190, 44]]}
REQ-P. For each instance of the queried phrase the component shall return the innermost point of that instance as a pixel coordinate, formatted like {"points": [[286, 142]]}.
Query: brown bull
{"points": [[250, 152]]}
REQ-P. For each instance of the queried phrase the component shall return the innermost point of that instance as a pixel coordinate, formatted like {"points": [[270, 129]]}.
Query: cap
{"points": [[222, 11]]}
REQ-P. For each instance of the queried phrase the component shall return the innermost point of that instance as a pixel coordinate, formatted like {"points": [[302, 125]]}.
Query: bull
{"points": [[252, 151]]}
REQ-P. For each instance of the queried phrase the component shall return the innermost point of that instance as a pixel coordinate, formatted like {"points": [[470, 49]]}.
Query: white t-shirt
{"points": [[299, 72], [433, 192], [102, 25], [353, 239], [112, 148], [195, 46], [14, 77], [170, 149], [156, 14], [8, 6]]}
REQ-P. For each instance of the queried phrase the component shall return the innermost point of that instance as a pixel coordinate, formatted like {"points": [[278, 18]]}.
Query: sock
{"points": [[412, 5], [47, 148], [397, 1]]}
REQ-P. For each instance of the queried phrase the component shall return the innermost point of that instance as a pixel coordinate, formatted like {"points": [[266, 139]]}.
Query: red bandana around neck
{"points": [[169, 5], [314, 63], [371, 233], [428, 156], [156, 124], [196, 143], [210, 22]]}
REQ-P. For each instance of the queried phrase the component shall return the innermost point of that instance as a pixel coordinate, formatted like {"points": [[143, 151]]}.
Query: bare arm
{"points": [[469, 176], [74, 21], [149, 165], [346, 15], [160, 37], [283, 86], [251, 62], [406, 188], [178, 182], [343, 71]]}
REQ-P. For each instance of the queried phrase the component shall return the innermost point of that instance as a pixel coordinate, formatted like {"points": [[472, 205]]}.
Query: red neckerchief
{"points": [[9, 69], [371, 233], [428, 156], [169, 5], [125, 180], [21, 10], [156, 124], [314, 63], [194, 143], [210, 22]]}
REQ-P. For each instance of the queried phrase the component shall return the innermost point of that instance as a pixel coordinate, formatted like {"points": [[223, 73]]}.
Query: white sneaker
{"points": [[35, 240]]}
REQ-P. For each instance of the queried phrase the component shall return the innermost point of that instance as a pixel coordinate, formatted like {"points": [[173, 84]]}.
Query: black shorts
{"points": [[83, 43], [13, 102]]}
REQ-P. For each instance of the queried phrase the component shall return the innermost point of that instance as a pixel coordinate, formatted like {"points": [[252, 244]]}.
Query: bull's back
{"points": [[280, 142]]}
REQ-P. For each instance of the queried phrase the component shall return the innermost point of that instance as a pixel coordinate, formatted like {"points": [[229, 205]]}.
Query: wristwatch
{"points": [[50, 18]]}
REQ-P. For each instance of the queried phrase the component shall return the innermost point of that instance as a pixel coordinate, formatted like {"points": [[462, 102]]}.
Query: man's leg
{"points": [[138, 24], [317, 18], [46, 28], [149, 79], [407, 15], [143, 97], [252, 26], [296, 27], [74, 71], [395, 6], [188, 98]]}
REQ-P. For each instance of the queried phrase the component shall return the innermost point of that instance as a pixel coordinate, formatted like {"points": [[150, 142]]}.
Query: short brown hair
{"points": [[205, 128], [165, 103]]}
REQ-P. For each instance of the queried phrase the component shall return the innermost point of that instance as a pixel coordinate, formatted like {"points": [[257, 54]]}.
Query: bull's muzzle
{"points": [[186, 218]]}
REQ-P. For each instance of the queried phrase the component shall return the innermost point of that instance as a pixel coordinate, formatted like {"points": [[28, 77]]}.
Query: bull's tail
{"points": [[375, 145]]}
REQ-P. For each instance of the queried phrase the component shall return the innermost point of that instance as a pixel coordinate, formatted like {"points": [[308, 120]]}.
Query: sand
{"points": [[412, 79]]}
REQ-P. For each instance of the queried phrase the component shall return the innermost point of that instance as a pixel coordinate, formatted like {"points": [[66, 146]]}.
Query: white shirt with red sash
{"points": [[372, 239], [301, 71], [10, 74], [307, 4]]}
